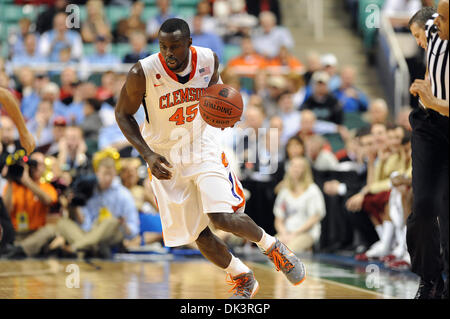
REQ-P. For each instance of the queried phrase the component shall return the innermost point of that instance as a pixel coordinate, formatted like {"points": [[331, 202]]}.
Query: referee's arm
{"points": [[423, 89]]}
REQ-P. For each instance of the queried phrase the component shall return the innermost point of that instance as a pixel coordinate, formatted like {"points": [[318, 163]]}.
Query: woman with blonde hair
{"points": [[299, 207]]}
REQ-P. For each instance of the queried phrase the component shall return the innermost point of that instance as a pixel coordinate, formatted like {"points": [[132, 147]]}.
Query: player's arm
{"points": [[215, 79], [12, 108], [130, 99]]}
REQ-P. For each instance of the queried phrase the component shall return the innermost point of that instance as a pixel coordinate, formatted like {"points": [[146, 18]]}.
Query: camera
{"points": [[16, 164], [82, 190]]}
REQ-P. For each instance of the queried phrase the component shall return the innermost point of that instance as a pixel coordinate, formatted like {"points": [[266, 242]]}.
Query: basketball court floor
{"points": [[169, 277]]}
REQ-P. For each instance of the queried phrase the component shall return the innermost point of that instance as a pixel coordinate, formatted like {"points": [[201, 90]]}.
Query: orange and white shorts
{"points": [[196, 189]]}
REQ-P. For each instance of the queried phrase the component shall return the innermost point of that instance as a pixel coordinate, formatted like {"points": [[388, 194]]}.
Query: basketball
{"points": [[221, 106]]}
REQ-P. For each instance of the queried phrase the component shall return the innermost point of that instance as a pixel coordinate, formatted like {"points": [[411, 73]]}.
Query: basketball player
{"points": [[8, 101], [427, 225], [191, 195]]}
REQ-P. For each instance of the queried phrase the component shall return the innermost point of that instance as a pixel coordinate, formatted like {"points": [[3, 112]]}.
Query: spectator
{"points": [[25, 85], [399, 11], [308, 122], [395, 135], [206, 39], [321, 157], [255, 7], [237, 23], [325, 105], [45, 18], [17, 39], [138, 42], [329, 63], [351, 98], [400, 202], [29, 55], [31, 96], [248, 62], [101, 55], [106, 89], [313, 64], [97, 225], [344, 230], [290, 117], [143, 196], [127, 26], [41, 125], [285, 61], [209, 22], [108, 217], [58, 131], [256, 170], [91, 124], [164, 13], [130, 179], [82, 91], [72, 152], [69, 80], [296, 86], [294, 148], [65, 57], [299, 207], [50, 92], [378, 112], [27, 199], [269, 38], [53, 41], [276, 86], [374, 197], [95, 24]]}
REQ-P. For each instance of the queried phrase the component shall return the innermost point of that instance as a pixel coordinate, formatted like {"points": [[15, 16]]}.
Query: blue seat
{"points": [[150, 223]]}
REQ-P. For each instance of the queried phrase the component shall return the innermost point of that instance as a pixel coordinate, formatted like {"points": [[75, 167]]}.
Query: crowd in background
{"points": [[337, 186]]}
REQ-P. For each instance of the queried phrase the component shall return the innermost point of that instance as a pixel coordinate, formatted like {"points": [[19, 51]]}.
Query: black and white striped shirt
{"points": [[437, 61]]}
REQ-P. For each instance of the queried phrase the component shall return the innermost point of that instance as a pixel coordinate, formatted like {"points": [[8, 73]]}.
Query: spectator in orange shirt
{"points": [[285, 60], [249, 62], [28, 199]]}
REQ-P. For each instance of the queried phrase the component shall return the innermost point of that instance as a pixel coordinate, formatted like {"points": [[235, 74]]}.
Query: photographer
{"points": [[26, 198], [103, 215]]}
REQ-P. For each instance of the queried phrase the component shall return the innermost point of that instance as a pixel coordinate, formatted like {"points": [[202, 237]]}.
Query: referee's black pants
{"points": [[427, 225]]}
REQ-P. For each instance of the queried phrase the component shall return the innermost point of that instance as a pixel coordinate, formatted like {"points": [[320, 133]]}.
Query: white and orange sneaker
{"points": [[245, 285], [286, 261]]}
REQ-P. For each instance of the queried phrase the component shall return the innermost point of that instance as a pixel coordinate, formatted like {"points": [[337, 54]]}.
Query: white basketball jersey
{"points": [[172, 107]]}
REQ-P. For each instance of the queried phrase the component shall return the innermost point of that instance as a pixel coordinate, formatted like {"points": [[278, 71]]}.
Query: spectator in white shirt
{"points": [[299, 207]]}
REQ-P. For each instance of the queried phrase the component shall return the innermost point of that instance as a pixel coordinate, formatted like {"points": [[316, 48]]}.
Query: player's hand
{"points": [[157, 164], [27, 141]]}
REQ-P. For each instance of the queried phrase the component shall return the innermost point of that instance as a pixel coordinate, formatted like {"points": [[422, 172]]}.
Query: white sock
{"points": [[266, 241], [236, 267], [379, 229]]}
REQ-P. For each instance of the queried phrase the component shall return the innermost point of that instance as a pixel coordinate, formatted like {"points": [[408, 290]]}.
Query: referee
{"points": [[427, 225]]}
